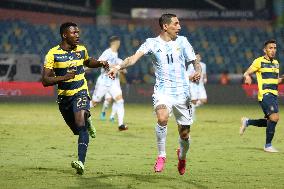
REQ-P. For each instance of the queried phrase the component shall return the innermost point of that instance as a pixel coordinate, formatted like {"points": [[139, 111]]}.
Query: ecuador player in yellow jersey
{"points": [[64, 67], [267, 73]]}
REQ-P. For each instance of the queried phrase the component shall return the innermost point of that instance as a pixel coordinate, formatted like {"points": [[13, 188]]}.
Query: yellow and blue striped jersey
{"points": [[60, 61], [267, 73]]}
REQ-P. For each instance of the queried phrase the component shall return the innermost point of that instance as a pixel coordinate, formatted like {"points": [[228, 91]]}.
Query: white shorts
{"points": [[197, 92], [179, 106], [101, 90]]}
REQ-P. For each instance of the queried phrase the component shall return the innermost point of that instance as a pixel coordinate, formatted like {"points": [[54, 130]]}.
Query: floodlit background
{"points": [[36, 146]]}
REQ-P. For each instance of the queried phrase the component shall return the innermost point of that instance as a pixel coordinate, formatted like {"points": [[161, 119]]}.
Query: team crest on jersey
{"points": [[78, 54]]}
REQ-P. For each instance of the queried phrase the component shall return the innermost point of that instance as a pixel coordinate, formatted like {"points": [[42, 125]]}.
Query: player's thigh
{"points": [[81, 105], [183, 113], [162, 106], [107, 96], [66, 111], [99, 92], [116, 92], [269, 105]]}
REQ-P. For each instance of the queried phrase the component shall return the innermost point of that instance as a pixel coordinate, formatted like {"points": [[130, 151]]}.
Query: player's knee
{"points": [[274, 117], [119, 97], [184, 131], [163, 122], [120, 101], [203, 101], [194, 102], [94, 103]]}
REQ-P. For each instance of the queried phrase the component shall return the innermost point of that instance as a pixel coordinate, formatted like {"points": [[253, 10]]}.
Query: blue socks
{"points": [[257, 122], [83, 142], [270, 130]]}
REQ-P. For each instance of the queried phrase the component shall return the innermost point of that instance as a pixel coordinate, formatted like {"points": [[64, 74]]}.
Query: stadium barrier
{"points": [[133, 93], [25, 91]]}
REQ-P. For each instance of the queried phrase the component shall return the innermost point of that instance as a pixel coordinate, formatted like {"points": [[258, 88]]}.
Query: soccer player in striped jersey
{"points": [[64, 67], [267, 72], [106, 85], [197, 90], [171, 94]]}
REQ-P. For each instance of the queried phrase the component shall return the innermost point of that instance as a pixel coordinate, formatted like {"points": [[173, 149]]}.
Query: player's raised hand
{"points": [[113, 71], [247, 80], [105, 65], [196, 76]]}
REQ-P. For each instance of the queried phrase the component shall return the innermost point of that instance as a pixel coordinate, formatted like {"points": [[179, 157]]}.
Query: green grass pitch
{"points": [[36, 149]]}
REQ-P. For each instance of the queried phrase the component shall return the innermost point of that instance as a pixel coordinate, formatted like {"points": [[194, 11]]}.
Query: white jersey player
{"points": [[171, 95], [197, 89], [106, 85]]}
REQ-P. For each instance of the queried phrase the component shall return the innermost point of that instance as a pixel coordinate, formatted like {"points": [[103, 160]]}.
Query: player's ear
{"points": [[264, 49], [165, 27]]}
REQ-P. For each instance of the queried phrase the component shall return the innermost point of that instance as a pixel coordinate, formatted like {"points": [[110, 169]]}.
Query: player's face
{"points": [[173, 28], [117, 44], [72, 35], [270, 50]]}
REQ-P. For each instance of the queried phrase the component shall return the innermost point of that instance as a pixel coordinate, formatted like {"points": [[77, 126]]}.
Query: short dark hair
{"points": [[113, 38], [268, 42], [165, 19], [65, 26]]}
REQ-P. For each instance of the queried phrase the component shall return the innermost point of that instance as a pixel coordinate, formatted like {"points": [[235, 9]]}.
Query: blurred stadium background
{"points": [[36, 146], [228, 34]]}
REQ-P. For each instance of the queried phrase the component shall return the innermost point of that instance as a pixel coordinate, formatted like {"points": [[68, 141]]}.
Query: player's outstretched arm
{"points": [[247, 77], [126, 63], [198, 70], [49, 79], [93, 63]]}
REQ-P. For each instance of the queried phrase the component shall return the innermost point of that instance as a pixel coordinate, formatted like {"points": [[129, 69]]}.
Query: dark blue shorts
{"points": [[269, 104], [68, 105]]}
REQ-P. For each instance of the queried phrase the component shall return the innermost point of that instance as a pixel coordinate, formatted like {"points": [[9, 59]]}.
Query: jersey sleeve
{"points": [[49, 60], [255, 65], [188, 51], [104, 56], [145, 47], [86, 55]]}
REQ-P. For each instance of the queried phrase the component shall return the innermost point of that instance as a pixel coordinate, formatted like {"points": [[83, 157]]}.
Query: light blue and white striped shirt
{"points": [[112, 59], [169, 63]]}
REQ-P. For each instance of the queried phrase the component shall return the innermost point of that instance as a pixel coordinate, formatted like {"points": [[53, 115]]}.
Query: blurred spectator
{"points": [[224, 78]]}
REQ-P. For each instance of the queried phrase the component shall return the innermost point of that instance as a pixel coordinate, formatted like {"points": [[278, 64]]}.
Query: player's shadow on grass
{"points": [[252, 149], [50, 169], [103, 181]]}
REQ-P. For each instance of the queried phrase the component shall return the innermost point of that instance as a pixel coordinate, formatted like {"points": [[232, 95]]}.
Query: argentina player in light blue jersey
{"points": [[105, 85], [171, 91]]}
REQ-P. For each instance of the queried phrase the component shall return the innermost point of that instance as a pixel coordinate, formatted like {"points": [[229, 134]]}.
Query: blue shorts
{"points": [[68, 105], [269, 104]]}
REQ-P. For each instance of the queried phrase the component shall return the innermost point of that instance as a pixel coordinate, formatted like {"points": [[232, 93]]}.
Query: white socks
{"points": [[184, 147], [105, 106], [120, 111], [161, 134], [113, 110]]}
